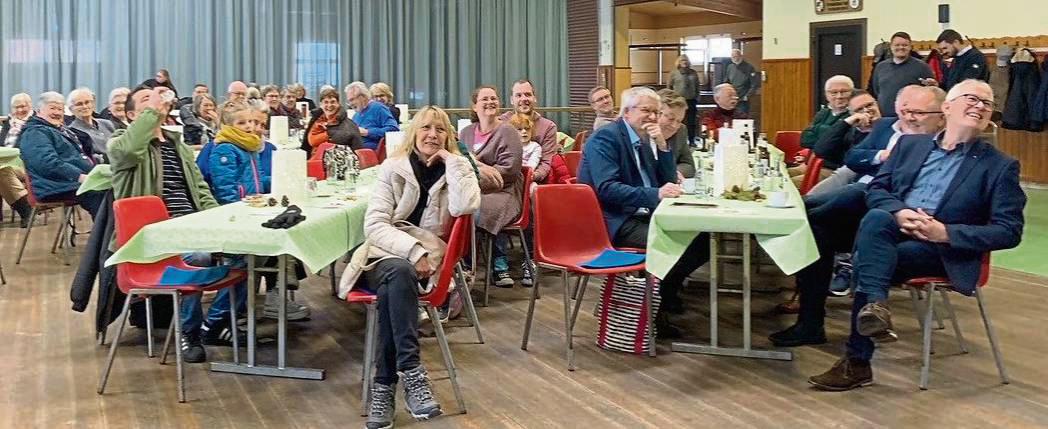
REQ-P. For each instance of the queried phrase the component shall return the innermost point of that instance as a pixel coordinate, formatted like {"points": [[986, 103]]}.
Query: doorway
{"points": [[837, 47]]}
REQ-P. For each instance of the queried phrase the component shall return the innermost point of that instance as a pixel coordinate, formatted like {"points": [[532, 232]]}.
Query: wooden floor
{"points": [[49, 367]]}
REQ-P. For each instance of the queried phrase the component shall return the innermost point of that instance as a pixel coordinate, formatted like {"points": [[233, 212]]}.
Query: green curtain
{"points": [[429, 51]]}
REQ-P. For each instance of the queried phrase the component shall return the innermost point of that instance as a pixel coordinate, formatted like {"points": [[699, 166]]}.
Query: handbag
{"points": [[623, 316], [359, 260]]}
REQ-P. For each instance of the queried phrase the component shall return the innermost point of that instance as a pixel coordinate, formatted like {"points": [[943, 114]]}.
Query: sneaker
{"points": [[220, 334], [192, 349], [503, 280], [382, 408], [526, 276], [295, 311], [453, 307], [419, 395], [842, 276], [846, 374], [874, 320]]}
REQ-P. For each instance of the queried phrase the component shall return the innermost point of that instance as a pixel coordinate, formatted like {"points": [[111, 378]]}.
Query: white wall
{"points": [[786, 32]]}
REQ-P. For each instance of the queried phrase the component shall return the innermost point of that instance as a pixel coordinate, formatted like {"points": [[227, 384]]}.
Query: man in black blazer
{"points": [[936, 207]]}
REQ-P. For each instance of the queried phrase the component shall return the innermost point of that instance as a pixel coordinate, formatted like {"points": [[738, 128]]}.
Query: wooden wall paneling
{"points": [[1031, 149], [786, 95]]}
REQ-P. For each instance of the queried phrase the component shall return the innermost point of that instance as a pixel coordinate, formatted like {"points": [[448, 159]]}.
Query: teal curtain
{"points": [[429, 51]]}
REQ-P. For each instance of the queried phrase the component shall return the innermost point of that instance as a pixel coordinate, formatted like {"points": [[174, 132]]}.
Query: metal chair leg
{"points": [[998, 359], [367, 376], [531, 311], [149, 325], [112, 348], [25, 235], [179, 372], [167, 344], [471, 310], [3, 278], [233, 321], [950, 314], [926, 354], [449, 363], [580, 286], [569, 350], [489, 270]]}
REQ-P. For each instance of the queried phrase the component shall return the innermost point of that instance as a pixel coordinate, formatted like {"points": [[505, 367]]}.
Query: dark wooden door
{"points": [[837, 48]]}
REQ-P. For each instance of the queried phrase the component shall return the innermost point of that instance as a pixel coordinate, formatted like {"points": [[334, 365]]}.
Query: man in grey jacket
{"points": [[741, 75]]}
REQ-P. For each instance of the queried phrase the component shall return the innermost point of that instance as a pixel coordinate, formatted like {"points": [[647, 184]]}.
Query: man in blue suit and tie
{"points": [[631, 168], [936, 207]]}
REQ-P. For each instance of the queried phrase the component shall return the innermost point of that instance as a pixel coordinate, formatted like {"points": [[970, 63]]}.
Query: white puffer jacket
{"points": [[394, 197]]}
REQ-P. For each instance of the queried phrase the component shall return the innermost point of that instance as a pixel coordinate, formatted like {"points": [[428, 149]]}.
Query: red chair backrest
{"points": [[381, 150], [789, 142], [984, 273], [318, 153], [580, 140], [458, 242], [130, 216], [811, 175], [525, 204], [30, 197], [573, 160], [568, 222], [315, 169], [368, 158]]}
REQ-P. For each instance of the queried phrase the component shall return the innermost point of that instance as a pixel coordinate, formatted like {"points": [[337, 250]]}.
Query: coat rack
{"points": [[1037, 44]]}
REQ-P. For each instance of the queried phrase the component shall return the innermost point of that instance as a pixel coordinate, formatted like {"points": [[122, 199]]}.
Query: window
{"points": [[316, 64], [701, 49]]}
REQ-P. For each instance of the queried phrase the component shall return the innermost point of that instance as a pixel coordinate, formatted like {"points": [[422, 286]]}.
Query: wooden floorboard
{"points": [[50, 364]]}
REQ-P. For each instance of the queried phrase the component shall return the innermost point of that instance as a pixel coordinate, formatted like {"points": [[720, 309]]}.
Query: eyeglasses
{"points": [[974, 100], [842, 92], [918, 112]]}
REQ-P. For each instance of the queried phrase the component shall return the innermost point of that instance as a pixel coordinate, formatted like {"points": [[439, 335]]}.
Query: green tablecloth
{"points": [[328, 232], [569, 142], [10, 157], [783, 233], [99, 179]]}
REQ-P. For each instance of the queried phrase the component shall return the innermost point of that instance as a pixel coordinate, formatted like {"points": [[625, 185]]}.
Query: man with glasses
{"points": [[937, 206], [902, 69], [631, 167], [834, 142], [82, 104], [603, 105], [834, 215], [373, 118], [236, 92]]}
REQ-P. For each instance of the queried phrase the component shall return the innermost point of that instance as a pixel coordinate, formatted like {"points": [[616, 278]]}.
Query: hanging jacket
{"points": [[236, 173], [1024, 81], [1039, 110]]}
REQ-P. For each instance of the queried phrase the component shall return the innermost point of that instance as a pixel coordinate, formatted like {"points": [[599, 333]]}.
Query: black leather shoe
{"points": [[798, 335], [664, 330], [672, 305]]}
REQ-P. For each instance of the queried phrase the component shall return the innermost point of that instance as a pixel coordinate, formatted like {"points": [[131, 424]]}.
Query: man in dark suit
{"points": [[968, 61], [935, 208], [834, 216], [631, 168]]}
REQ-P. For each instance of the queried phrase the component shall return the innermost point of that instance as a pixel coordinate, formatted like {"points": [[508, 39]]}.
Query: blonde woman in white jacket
{"points": [[426, 184]]}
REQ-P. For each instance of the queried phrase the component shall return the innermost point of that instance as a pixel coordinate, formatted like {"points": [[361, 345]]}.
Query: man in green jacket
{"points": [[148, 160], [838, 90]]}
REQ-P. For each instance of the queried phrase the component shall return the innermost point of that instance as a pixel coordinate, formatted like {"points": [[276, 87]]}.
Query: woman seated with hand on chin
{"points": [[425, 184]]}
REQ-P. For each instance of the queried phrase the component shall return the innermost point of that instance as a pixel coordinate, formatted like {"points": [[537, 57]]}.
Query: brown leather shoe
{"points": [[875, 320], [846, 374]]}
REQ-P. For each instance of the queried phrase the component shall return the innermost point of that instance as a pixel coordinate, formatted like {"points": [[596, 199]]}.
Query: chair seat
{"points": [[234, 276], [361, 297], [925, 281], [574, 263]]}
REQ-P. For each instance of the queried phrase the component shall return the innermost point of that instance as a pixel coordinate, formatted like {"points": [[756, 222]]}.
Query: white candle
{"points": [[463, 123], [289, 174], [278, 130], [394, 140], [404, 117]]}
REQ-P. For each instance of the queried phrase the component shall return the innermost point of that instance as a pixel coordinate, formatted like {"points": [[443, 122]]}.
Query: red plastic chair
{"points": [[143, 280], [789, 142], [68, 225], [381, 150], [811, 175], [566, 236], [580, 140], [517, 226], [458, 242], [315, 169], [573, 160], [318, 153], [924, 288], [367, 158]]}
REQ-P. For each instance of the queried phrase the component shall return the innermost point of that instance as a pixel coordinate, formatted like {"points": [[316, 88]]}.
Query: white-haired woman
{"points": [[11, 187], [425, 184], [82, 104], [115, 111]]}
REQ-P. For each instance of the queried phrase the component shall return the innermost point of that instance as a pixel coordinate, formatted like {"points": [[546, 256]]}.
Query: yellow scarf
{"points": [[247, 141]]}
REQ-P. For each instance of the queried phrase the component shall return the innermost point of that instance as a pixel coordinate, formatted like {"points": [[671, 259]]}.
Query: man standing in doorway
{"points": [[743, 77]]}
